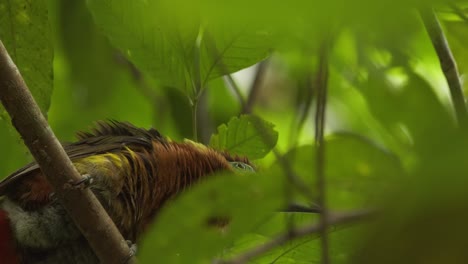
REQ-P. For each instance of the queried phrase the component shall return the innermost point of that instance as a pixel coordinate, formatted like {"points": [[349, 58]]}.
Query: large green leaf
{"points": [[303, 250], [182, 233], [357, 171], [185, 231], [425, 221], [92, 78], [178, 55], [247, 136], [25, 32]]}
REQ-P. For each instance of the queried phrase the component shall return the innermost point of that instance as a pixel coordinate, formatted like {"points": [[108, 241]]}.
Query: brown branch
{"points": [[334, 219], [88, 214], [447, 63]]}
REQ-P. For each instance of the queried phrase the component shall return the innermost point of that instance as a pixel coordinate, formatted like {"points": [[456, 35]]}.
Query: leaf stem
{"points": [[194, 105], [197, 84], [234, 86], [447, 63], [322, 87]]}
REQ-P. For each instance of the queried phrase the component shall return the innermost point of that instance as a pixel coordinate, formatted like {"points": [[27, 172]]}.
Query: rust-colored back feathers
{"points": [[135, 172]]}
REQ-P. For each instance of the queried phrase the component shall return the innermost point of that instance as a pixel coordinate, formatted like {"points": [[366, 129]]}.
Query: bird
{"points": [[132, 171]]}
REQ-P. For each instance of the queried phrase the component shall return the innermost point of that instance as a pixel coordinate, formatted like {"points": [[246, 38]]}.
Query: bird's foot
{"points": [[52, 197], [81, 184], [133, 249]]}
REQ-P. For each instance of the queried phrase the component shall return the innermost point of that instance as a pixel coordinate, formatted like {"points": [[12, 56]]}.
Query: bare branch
{"points": [[233, 84], [82, 205], [447, 63], [334, 219]]}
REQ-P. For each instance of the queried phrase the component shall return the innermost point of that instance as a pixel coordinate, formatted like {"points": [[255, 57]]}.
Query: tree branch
{"points": [[334, 219], [447, 63], [84, 208]]}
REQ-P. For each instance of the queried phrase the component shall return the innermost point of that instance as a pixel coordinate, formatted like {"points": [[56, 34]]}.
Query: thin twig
{"points": [[233, 84], [322, 87], [447, 63], [194, 105], [334, 219], [204, 120], [255, 88], [83, 207], [295, 180], [304, 102], [197, 83]]}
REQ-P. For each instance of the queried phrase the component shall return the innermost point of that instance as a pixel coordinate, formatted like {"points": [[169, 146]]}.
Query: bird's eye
{"points": [[242, 166]]}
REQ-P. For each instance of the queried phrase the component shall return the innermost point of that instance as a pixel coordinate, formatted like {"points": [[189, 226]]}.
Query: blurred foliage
{"points": [[392, 140]]}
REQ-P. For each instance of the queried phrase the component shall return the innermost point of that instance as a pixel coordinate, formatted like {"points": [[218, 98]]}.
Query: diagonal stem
{"points": [[334, 219], [447, 63], [322, 87]]}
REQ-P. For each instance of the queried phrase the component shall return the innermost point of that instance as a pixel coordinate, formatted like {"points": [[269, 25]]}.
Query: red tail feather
{"points": [[8, 254]]}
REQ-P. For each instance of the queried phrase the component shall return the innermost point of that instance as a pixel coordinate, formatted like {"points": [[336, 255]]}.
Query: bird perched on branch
{"points": [[132, 171]]}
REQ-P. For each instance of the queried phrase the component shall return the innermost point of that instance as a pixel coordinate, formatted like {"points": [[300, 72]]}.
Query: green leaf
{"points": [[181, 55], [357, 171], [134, 28], [91, 77], [184, 231], [425, 221], [14, 152], [25, 32], [246, 136]]}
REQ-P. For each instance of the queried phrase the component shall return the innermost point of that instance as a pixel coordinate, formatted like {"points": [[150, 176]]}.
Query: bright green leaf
{"points": [[246, 136]]}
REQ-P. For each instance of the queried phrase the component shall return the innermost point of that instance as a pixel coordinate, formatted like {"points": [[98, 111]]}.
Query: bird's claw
{"points": [[133, 249], [81, 184]]}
